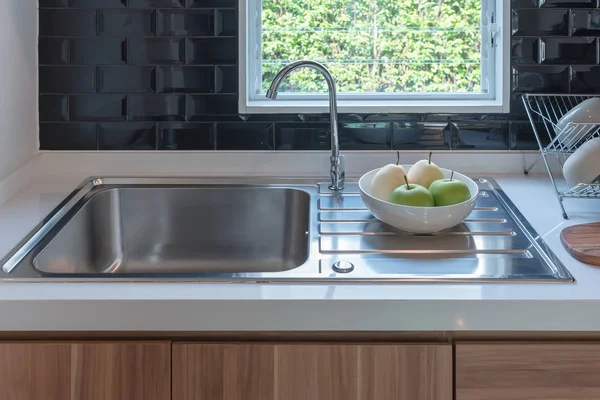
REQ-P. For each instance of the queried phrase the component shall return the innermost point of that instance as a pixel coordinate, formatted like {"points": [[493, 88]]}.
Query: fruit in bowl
{"points": [[424, 173], [387, 179], [412, 194], [456, 196], [447, 192]]}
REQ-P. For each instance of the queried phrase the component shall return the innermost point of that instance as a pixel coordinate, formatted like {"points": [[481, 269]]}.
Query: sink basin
{"points": [[182, 230], [263, 230]]}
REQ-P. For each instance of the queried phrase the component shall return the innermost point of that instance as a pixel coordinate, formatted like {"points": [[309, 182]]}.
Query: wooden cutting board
{"points": [[583, 242]]}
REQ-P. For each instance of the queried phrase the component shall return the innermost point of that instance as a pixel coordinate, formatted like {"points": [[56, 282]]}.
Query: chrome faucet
{"points": [[337, 166]]}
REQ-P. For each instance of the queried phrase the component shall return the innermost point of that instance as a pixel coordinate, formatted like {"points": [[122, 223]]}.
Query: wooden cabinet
{"points": [[527, 371], [85, 371], [312, 371], [138, 370]]}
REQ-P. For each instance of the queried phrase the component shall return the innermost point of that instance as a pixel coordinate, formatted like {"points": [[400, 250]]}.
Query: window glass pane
{"points": [[374, 46]]}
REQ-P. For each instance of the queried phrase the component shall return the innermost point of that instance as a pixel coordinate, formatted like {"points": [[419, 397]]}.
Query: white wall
{"points": [[18, 84]]}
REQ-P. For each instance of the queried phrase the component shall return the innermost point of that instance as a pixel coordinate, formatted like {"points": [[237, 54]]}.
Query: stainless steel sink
{"points": [[268, 230], [185, 230]]}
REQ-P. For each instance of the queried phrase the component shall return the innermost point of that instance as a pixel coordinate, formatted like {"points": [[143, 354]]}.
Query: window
{"points": [[387, 56]]}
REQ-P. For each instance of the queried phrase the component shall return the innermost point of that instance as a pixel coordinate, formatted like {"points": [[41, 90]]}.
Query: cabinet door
{"points": [[312, 371], [85, 371], [522, 371]]}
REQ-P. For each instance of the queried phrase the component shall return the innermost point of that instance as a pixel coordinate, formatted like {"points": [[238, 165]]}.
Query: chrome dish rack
{"points": [[544, 112]]}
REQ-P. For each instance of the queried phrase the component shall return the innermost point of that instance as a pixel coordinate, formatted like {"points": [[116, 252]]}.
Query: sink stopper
{"points": [[343, 267]]}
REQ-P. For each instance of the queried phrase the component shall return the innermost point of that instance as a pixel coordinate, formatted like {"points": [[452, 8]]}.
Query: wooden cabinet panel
{"points": [[121, 371], [85, 371], [312, 371], [407, 372], [317, 372], [235, 372], [527, 371], [32, 372]]}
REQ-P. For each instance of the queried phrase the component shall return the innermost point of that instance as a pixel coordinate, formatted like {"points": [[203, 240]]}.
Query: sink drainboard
{"points": [[494, 243]]}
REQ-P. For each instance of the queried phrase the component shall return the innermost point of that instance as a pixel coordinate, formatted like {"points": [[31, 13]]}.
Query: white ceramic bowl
{"points": [[418, 219], [583, 166], [586, 112]]}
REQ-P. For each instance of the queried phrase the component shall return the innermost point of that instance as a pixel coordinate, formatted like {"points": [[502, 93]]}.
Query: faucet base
{"points": [[338, 174]]}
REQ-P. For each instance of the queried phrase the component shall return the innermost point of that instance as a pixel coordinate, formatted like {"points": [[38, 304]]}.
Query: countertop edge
{"points": [[297, 315]]}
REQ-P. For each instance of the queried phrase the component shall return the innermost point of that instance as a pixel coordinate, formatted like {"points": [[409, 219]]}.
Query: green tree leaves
{"points": [[375, 45]]}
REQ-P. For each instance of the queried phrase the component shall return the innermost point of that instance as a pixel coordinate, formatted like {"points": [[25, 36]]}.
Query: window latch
{"points": [[494, 30]]}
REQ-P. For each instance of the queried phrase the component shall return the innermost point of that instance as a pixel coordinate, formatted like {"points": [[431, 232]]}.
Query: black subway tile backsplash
{"points": [[53, 51], [94, 3], [365, 136], [483, 135], [199, 106], [67, 79], [127, 136], [541, 22], [157, 107], [126, 22], [186, 22], [97, 51], [516, 4], [586, 22], [67, 22], [302, 136], [93, 107], [156, 3], [406, 135], [517, 108], [163, 75], [226, 79], [568, 3], [585, 80], [53, 3], [54, 107], [541, 79], [186, 136], [211, 3], [525, 50], [522, 138], [244, 136], [216, 50], [186, 79], [570, 50], [68, 136], [126, 79], [419, 136], [156, 51], [226, 23]]}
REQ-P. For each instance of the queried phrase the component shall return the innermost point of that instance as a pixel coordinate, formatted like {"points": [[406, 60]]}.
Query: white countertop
{"points": [[178, 306]]}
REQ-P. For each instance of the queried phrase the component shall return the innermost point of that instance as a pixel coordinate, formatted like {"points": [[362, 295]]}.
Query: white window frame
{"points": [[497, 101]]}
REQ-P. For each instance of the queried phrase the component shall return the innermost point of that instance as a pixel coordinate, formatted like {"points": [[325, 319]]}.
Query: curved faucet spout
{"points": [[337, 168]]}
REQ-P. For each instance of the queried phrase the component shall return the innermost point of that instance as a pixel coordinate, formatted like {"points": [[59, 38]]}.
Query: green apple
{"points": [[447, 192], [412, 195]]}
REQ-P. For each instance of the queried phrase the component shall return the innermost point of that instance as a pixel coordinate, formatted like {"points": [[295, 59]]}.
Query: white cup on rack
{"points": [[587, 112], [583, 166]]}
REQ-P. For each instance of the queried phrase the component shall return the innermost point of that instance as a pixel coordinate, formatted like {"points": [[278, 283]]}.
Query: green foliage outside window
{"points": [[375, 45]]}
